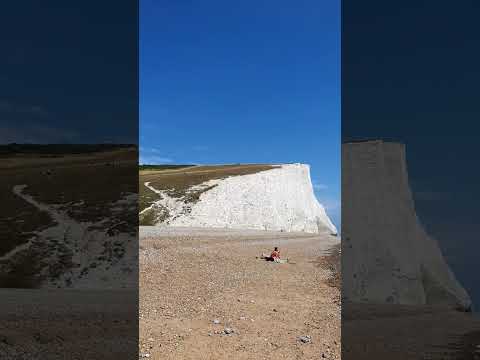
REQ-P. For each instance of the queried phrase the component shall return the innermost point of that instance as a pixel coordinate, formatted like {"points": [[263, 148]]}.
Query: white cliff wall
{"points": [[280, 199], [386, 255]]}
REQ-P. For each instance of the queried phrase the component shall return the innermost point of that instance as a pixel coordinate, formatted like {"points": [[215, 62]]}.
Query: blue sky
{"points": [[68, 73], [243, 82]]}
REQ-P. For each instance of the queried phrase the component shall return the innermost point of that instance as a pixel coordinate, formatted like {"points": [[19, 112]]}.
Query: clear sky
{"points": [[243, 82], [68, 72]]}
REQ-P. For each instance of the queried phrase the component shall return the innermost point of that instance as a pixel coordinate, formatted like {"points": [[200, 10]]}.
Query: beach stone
{"points": [[305, 339]]}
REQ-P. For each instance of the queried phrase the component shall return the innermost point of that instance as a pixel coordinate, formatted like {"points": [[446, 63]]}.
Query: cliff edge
{"points": [[276, 197], [387, 257]]}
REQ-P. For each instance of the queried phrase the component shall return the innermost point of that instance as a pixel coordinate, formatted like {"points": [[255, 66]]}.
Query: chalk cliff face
{"points": [[386, 255], [279, 199]]}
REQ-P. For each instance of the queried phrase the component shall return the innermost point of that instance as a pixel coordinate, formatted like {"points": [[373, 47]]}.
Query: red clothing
{"points": [[275, 254]]}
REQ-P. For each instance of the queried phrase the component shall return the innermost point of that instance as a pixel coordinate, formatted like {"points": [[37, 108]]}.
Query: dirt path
{"points": [[190, 278]]}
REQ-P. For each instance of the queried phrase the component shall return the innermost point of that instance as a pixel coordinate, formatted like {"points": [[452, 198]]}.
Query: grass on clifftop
{"points": [[176, 180], [162, 167]]}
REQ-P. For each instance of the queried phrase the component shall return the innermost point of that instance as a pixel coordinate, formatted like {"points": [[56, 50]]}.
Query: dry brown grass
{"points": [[179, 180]]}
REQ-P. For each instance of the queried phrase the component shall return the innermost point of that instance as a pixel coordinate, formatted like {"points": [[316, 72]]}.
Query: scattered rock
{"points": [[305, 339]]}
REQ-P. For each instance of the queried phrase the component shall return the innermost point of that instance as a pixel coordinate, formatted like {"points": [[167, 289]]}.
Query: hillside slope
{"points": [[64, 222], [265, 197]]}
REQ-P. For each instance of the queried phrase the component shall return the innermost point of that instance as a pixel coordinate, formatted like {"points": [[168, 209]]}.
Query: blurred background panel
{"points": [[409, 179], [69, 180]]}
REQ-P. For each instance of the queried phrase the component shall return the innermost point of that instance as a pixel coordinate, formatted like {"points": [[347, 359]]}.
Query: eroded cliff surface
{"points": [[387, 257], [279, 198]]}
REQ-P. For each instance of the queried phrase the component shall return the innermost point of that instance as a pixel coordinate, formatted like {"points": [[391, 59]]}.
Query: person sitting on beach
{"points": [[274, 256]]}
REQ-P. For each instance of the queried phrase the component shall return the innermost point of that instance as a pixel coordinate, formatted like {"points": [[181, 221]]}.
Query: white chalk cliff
{"points": [[280, 199], [387, 257]]}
